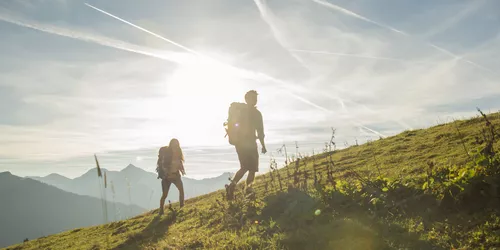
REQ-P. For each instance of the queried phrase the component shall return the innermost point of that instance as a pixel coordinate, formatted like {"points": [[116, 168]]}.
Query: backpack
{"points": [[160, 164], [237, 122]]}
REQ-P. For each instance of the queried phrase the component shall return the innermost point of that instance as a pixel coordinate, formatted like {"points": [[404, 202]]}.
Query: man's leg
{"points": [[252, 166], [250, 178], [165, 185], [237, 177], [239, 174]]}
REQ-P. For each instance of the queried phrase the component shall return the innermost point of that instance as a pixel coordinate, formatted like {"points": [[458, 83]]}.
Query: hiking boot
{"points": [[249, 190], [249, 193]]}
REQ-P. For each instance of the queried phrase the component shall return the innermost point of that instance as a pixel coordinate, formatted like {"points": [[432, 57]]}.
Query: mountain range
{"points": [[132, 185], [31, 209], [34, 206]]}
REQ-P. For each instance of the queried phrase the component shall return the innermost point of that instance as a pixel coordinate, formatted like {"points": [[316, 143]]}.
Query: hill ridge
{"points": [[428, 188]]}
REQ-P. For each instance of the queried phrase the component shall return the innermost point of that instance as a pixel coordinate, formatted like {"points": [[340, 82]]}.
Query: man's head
{"points": [[251, 97]]}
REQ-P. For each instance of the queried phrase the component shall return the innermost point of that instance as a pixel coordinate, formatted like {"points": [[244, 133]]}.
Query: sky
{"points": [[119, 79]]}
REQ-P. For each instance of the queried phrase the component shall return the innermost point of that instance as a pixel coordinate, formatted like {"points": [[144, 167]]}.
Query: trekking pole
{"points": [[296, 149]]}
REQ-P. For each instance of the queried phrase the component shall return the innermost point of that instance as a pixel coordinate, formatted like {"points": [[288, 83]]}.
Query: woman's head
{"points": [[174, 145]]}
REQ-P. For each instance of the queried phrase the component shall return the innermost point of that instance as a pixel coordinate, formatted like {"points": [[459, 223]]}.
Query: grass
{"points": [[433, 188]]}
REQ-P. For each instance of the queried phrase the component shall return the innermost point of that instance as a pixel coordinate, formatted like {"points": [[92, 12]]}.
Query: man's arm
{"points": [[260, 132]]}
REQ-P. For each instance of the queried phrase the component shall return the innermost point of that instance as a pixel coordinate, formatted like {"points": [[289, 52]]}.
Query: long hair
{"points": [[174, 143]]}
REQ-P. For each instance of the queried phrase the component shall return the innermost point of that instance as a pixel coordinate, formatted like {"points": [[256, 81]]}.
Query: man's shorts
{"points": [[248, 156]]}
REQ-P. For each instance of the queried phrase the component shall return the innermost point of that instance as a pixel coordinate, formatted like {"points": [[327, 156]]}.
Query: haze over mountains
{"points": [[31, 209], [132, 185]]}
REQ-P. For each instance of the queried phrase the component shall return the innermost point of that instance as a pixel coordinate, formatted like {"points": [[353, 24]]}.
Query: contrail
{"points": [[357, 123], [369, 129], [164, 55], [344, 108], [456, 18], [459, 58], [230, 68], [268, 17], [104, 41], [309, 102], [241, 72], [145, 30], [350, 13], [175, 57], [355, 55]]}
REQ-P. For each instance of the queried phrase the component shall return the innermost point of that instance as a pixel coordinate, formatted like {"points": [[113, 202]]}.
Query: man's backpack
{"points": [[162, 161], [237, 122]]}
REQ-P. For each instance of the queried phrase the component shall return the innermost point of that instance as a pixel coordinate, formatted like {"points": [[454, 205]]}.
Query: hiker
{"points": [[170, 165], [243, 122]]}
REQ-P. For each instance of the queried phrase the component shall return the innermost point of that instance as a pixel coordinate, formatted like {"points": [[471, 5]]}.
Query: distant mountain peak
{"points": [[93, 171], [132, 168], [55, 175], [6, 173]]}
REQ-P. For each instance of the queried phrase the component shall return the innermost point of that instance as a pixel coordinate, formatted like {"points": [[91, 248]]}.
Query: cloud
{"points": [[439, 48], [356, 56], [268, 17], [166, 55], [350, 13], [455, 19], [92, 38], [228, 68], [366, 80]]}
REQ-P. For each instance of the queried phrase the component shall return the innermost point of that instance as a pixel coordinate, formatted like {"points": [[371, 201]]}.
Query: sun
{"points": [[199, 95]]}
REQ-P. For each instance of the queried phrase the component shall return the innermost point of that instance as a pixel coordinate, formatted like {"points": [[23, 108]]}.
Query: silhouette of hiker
{"points": [[243, 121], [170, 165]]}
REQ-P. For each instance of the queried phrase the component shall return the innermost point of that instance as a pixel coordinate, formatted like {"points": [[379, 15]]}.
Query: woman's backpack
{"points": [[162, 162]]}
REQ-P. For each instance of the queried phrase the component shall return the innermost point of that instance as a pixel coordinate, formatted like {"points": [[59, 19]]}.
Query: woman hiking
{"points": [[170, 165]]}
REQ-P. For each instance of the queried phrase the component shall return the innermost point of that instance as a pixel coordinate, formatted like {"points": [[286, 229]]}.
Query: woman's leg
{"points": [[165, 186], [178, 183]]}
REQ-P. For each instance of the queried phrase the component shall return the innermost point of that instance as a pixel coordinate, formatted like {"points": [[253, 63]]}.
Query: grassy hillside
{"points": [[424, 189]]}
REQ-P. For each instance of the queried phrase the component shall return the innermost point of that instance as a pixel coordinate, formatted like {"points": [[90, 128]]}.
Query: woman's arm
{"points": [[183, 171]]}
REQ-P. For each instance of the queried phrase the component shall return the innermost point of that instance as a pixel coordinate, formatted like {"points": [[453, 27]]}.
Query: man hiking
{"points": [[170, 165], [243, 122]]}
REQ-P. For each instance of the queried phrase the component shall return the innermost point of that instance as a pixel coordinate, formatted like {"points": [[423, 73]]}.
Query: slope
{"points": [[31, 209], [433, 188]]}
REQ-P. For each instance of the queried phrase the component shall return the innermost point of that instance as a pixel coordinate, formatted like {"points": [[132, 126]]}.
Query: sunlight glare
{"points": [[198, 96]]}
